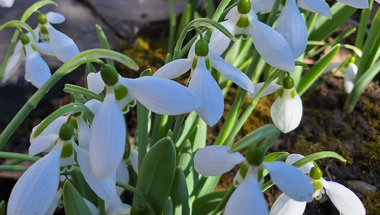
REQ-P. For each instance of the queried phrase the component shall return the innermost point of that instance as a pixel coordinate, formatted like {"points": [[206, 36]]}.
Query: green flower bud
{"points": [[315, 173], [201, 48], [66, 132], [42, 19], [255, 155], [109, 75], [288, 82], [244, 6], [24, 39]]}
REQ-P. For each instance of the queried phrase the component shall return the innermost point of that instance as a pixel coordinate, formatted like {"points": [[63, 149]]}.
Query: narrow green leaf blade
{"points": [[180, 194], [73, 201]]}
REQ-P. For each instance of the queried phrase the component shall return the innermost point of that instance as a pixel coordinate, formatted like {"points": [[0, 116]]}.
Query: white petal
{"points": [[63, 46], [35, 191], [292, 158], [54, 17], [231, 13], [6, 3], [343, 198], [232, 73], [37, 69], [42, 143], [105, 189], [286, 112], [122, 175], [55, 203], [260, 5], [290, 180], [215, 160], [83, 133], [285, 205], [293, 28], [220, 42], [205, 86], [52, 128], [127, 102], [247, 199], [94, 210], [331, 66], [174, 69], [161, 95], [316, 6], [272, 87], [94, 105], [361, 4], [95, 82], [107, 141], [133, 158], [349, 77], [12, 65], [45, 48], [117, 207], [272, 46]]}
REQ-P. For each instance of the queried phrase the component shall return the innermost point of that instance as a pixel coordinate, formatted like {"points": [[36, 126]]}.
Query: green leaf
{"points": [[104, 42], [19, 24], [156, 175], [73, 201], [2, 207], [185, 18], [69, 88], [108, 54], [180, 194], [169, 207], [318, 155], [312, 75], [206, 204], [35, 7]]}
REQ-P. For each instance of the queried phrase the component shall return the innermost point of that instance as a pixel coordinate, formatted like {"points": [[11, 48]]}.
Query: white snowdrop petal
{"points": [[232, 73], [94, 105], [174, 69], [316, 6], [272, 46], [349, 77], [292, 158], [331, 66], [247, 199], [133, 158], [83, 133], [215, 160], [95, 82], [42, 144], [45, 48], [220, 42], [361, 4], [37, 69], [284, 205], [105, 189], [55, 203], [260, 6], [35, 191], [52, 128], [231, 13], [205, 86], [127, 102], [117, 207], [6, 3], [13, 64], [122, 175], [286, 112], [107, 139], [54, 17], [63, 46], [94, 210], [161, 95], [272, 87], [293, 28], [343, 198], [290, 180]]}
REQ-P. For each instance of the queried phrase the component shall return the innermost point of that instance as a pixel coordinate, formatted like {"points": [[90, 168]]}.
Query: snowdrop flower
{"points": [[55, 42], [343, 198], [202, 83], [36, 190], [108, 131], [287, 109], [248, 193], [6, 3], [350, 70], [242, 23], [36, 70]]}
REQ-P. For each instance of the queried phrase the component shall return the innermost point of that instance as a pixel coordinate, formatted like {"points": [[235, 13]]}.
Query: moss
{"points": [[371, 202]]}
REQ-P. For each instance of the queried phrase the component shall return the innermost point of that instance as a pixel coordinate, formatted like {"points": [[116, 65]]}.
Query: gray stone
{"points": [[126, 17]]}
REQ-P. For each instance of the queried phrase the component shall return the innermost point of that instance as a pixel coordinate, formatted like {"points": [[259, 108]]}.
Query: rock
{"points": [[361, 186], [126, 17]]}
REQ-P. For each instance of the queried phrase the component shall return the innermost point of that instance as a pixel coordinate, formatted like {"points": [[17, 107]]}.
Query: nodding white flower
{"points": [[55, 42], [343, 198], [112, 207], [201, 81], [36, 70], [287, 178], [36, 190], [350, 70], [108, 131], [6, 3], [242, 23]]}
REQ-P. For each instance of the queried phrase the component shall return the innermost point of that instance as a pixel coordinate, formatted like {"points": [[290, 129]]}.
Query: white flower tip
{"points": [[54, 17]]}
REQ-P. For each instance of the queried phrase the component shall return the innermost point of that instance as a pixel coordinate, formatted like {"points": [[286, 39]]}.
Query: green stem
{"points": [[273, 14], [364, 17], [143, 117], [101, 207], [224, 201], [18, 156], [13, 168], [173, 24], [178, 127]]}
